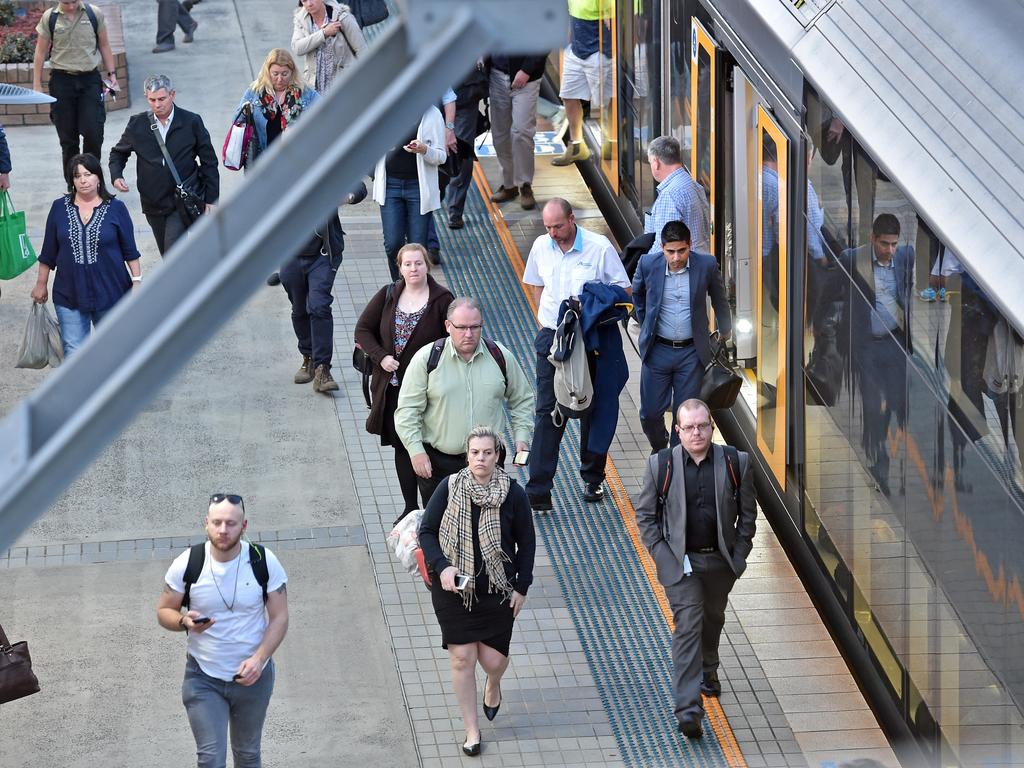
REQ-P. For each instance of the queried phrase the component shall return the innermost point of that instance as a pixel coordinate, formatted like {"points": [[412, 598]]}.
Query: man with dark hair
{"points": [[699, 531], [670, 292], [188, 143], [883, 271], [680, 198], [237, 590]]}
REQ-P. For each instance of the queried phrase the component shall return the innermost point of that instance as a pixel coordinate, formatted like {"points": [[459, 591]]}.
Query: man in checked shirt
{"points": [[680, 198]]}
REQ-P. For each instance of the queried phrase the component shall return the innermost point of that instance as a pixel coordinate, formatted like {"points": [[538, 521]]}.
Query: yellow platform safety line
{"points": [[713, 708]]}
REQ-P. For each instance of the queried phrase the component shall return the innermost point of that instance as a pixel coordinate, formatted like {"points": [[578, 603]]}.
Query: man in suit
{"points": [[670, 292], [188, 143], [884, 273], [700, 540]]}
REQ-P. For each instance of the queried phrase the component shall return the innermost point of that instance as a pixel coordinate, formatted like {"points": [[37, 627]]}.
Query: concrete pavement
{"points": [[231, 421]]}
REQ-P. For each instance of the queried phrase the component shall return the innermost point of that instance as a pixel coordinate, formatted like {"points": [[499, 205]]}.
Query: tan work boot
{"points": [[574, 153], [526, 198], [504, 194], [305, 373], [323, 381]]}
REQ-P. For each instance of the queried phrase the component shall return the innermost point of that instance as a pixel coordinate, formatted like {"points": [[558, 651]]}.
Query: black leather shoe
{"points": [[455, 222], [274, 279], [492, 712], [710, 685], [691, 729], [541, 503], [435, 256], [594, 493], [473, 750]]}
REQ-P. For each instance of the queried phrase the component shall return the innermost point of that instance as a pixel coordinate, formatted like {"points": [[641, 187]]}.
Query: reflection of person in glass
{"points": [[879, 328]]}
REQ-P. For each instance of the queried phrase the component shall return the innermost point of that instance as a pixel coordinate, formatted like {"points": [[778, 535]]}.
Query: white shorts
{"points": [[587, 79]]}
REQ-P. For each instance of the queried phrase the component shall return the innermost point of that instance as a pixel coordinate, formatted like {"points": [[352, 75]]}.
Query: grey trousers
{"points": [[513, 125], [698, 608], [171, 13]]}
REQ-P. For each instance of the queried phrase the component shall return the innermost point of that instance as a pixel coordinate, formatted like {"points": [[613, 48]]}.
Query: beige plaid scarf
{"points": [[456, 532]]}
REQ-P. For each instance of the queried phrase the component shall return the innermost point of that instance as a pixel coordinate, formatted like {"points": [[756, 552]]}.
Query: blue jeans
{"points": [[308, 281], [75, 326], [212, 705], [547, 437], [668, 376], [401, 219]]}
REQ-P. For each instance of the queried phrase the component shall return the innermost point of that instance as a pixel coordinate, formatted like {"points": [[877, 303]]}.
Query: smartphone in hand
{"points": [[521, 459], [461, 581], [201, 620]]}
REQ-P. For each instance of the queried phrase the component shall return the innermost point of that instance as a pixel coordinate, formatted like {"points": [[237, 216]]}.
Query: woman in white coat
{"points": [[326, 38], [405, 185]]}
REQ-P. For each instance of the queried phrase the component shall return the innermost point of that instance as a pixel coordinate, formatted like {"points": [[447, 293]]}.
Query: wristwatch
{"points": [[449, 126]]}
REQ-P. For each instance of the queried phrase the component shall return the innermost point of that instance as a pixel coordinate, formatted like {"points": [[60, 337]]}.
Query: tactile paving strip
{"points": [[613, 608]]}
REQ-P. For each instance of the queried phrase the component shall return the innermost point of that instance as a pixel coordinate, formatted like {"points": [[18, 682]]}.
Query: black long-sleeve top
{"points": [[518, 539]]}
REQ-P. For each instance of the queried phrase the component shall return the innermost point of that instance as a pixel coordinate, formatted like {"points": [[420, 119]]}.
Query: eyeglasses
{"points": [[233, 498], [464, 328], [704, 426]]}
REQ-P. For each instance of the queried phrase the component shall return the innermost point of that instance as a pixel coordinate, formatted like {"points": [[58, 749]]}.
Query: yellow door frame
{"points": [[776, 456], [700, 39]]}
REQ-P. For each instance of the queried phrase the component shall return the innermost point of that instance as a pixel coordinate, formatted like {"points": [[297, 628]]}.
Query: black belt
{"points": [[702, 551], [674, 344], [70, 73]]}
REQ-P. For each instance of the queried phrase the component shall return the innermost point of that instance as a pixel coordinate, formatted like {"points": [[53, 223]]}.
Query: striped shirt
{"points": [[680, 198]]}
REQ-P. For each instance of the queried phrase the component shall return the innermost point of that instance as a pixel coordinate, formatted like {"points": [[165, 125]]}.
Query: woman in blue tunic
{"points": [[89, 239]]}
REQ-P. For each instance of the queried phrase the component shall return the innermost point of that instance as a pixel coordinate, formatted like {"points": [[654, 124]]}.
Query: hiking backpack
{"points": [[197, 558], [574, 389]]}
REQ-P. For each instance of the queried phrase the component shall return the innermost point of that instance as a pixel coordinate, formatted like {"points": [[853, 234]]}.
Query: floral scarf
{"points": [[286, 113]]}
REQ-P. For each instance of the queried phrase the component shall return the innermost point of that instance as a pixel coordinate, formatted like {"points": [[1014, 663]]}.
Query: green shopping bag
{"points": [[16, 252]]}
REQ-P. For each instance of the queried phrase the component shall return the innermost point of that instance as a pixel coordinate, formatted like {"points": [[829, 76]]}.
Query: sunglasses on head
{"points": [[234, 498]]}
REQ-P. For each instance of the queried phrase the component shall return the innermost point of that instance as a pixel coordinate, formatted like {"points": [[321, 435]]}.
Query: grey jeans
{"points": [[698, 608], [513, 126], [213, 705]]}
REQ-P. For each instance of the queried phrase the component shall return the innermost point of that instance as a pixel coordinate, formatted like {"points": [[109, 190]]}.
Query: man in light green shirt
{"points": [[437, 409]]}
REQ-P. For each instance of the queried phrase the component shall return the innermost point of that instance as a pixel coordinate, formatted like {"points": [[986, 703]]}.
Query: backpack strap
{"points": [[499, 358], [260, 568], [732, 466], [664, 482], [194, 569], [435, 354], [51, 23]]}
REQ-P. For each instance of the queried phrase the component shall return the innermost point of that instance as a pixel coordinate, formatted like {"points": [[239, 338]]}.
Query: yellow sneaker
{"points": [[574, 153]]}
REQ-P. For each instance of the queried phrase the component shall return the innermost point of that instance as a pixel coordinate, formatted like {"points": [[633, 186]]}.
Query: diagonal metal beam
{"points": [[54, 434]]}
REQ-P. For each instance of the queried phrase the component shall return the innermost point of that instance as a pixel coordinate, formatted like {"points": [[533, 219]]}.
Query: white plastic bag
{"points": [[404, 539], [40, 346]]}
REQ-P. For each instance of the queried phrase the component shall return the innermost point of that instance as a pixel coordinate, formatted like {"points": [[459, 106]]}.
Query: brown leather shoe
{"points": [[305, 373], [526, 198], [504, 194], [323, 381]]}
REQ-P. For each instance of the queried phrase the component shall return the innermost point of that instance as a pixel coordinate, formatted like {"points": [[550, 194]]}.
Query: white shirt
{"points": [[592, 257], [164, 128], [237, 633]]}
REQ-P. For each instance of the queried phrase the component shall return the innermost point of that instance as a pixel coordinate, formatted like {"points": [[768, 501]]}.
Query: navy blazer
{"points": [[705, 280]]}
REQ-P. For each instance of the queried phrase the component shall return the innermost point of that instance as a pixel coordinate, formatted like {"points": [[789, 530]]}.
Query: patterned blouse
{"points": [[405, 324]]}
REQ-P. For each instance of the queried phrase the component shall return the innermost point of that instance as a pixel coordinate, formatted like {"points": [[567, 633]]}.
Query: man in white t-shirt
{"points": [[236, 616], [560, 262]]}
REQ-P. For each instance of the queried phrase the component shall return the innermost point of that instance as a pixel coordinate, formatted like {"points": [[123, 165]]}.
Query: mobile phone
{"points": [[201, 620], [521, 458], [461, 580], [238, 676]]}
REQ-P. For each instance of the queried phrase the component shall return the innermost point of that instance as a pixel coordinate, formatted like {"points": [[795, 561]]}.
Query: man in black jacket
{"points": [[514, 88], [188, 143]]}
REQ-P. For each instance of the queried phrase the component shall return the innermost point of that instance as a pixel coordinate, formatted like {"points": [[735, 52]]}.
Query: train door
{"points": [[703, 92]]}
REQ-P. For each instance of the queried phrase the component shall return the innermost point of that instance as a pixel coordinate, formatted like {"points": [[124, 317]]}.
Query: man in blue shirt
{"points": [[680, 198], [670, 292]]}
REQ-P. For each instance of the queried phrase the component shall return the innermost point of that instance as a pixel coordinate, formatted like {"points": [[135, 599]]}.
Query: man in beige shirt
{"points": [[76, 43]]}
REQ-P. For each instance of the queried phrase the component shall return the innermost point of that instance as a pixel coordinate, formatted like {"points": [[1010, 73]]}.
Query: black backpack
{"points": [[492, 347], [732, 465], [197, 558], [52, 24]]}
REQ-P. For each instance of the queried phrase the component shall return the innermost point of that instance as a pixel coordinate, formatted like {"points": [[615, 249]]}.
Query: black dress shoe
{"points": [[710, 685], [491, 712], [435, 256], [274, 279], [593, 493], [473, 750], [541, 503], [691, 729], [455, 222]]}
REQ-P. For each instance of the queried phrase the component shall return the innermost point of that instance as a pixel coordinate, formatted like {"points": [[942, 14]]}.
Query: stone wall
{"points": [[21, 74]]}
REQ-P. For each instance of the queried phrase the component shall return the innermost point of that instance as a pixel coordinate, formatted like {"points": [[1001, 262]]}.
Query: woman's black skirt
{"points": [[490, 622]]}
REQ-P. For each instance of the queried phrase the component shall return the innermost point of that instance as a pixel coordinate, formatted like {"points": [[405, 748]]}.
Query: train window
{"points": [[640, 106], [703, 64], [772, 203], [679, 73]]}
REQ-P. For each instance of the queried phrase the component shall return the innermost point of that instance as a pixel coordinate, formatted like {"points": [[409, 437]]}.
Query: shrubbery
{"points": [[17, 49], [6, 13]]}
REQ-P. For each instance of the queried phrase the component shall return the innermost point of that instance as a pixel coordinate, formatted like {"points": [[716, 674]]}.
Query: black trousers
{"points": [[167, 228], [77, 112]]}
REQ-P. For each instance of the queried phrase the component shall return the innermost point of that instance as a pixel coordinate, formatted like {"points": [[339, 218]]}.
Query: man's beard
{"points": [[232, 543]]}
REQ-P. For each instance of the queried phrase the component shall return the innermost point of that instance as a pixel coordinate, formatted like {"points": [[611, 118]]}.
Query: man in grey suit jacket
{"points": [[670, 291], [700, 541]]}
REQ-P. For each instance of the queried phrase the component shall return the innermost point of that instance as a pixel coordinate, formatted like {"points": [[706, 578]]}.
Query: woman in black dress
{"points": [[478, 524]]}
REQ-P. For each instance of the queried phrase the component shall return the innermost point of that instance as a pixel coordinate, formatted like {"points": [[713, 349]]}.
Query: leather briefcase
{"points": [[16, 676], [721, 384]]}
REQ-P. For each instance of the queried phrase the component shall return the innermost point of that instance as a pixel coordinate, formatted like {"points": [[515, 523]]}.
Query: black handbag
{"points": [[368, 12], [721, 384], [17, 679], [189, 204]]}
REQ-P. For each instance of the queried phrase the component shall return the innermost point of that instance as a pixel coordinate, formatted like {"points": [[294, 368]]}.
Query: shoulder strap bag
{"points": [[16, 676], [189, 204]]}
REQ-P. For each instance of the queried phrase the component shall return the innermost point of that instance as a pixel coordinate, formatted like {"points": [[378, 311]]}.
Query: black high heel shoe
{"points": [[492, 712], [472, 750]]}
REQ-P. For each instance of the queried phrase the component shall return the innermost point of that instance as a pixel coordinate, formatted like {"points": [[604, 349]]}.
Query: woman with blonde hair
{"points": [[277, 97], [477, 535]]}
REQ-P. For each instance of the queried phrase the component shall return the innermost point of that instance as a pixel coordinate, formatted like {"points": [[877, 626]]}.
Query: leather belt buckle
{"points": [[673, 343], [703, 550]]}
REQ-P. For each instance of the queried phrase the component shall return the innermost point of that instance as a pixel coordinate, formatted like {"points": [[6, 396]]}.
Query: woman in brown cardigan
{"points": [[400, 319]]}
